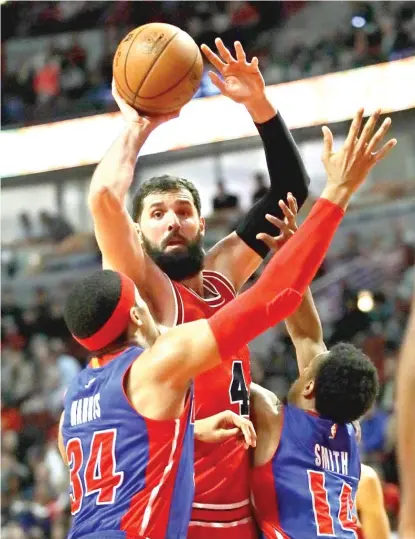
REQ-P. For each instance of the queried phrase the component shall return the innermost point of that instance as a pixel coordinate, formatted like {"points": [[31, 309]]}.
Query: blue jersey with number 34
{"points": [[130, 476], [308, 489]]}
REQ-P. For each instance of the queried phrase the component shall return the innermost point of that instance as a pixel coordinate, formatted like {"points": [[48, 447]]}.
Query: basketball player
{"points": [[126, 429], [373, 521], [180, 284], [306, 463], [406, 430]]}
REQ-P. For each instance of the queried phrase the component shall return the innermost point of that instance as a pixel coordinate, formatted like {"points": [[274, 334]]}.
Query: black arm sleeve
{"points": [[287, 174]]}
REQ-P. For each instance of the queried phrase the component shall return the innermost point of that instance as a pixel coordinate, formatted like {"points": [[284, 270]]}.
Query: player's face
{"points": [[172, 232], [303, 387]]}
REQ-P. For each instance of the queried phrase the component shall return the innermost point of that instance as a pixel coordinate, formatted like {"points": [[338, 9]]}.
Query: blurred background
{"points": [[57, 65]]}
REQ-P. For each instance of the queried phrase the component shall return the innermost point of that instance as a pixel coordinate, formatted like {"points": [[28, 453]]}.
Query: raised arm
{"points": [[304, 325], [115, 231], [239, 254], [306, 333]]}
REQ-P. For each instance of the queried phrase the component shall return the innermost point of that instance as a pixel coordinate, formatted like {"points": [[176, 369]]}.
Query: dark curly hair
{"points": [[163, 184], [346, 384]]}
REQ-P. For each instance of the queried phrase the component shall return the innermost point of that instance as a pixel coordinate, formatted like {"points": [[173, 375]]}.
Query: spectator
{"points": [[55, 227], [224, 200], [46, 82]]}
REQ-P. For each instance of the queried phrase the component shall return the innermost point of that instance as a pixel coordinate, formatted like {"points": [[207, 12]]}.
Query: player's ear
{"points": [[202, 226], [135, 317], [308, 391]]}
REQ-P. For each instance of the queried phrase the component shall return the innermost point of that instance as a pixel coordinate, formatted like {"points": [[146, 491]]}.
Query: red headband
{"points": [[117, 322]]}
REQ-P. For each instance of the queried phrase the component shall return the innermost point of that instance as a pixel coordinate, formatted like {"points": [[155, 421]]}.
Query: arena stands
{"points": [[65, 71]]}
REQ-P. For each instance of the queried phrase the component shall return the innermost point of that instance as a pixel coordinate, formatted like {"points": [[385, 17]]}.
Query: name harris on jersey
{"points": [[85, 410]]}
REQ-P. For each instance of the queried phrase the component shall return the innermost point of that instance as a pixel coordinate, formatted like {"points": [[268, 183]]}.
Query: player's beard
{"points": [[178, 265]]}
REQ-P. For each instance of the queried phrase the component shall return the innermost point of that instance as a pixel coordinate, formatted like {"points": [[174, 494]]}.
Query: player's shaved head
{"points": [[92, 302], [98, 313]]}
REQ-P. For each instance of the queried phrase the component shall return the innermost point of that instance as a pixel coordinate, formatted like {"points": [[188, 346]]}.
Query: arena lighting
{"points": [[319, 100], [365, 301], [358, 21]]}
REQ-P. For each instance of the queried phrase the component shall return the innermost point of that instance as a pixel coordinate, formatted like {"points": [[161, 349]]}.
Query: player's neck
{"points": [[195, 283], [308, 405], [101, 358]]}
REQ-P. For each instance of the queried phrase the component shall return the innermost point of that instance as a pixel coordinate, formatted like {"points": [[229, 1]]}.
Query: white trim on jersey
{"points": [[221, 507], [221, 278], [221, 524], [156, 489], [176, 306], [216, 297]]}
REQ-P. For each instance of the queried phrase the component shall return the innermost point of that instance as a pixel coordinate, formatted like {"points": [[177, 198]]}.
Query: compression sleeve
{"points": [[279, 290], [287, 174]]}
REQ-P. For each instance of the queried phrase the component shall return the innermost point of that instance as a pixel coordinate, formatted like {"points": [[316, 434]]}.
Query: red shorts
{"points": [[242, 529]]}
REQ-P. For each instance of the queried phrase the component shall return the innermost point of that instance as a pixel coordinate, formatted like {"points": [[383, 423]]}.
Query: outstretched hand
{"points": [[133, 117], [349, 166], [287, 227], [241, 80]]}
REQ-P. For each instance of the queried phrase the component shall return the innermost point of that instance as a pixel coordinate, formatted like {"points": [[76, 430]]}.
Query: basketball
{"points": [[157, 68]]}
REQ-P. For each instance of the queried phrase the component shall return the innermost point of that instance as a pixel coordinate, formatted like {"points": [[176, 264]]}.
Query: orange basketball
{"points": [[157, 68]]}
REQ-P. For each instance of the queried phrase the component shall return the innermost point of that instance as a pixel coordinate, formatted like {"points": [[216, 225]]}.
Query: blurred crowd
{"points": [[37, 367], [59, 80]]}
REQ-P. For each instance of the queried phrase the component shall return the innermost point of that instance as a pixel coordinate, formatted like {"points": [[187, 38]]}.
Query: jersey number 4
{"points": [[325, 523], [99, 475], [238, 391]]}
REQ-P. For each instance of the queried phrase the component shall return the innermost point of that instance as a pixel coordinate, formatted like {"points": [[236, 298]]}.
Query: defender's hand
{"points": [[349, 167], [242, 81], [287, 227], [224, 425], [134, 119]]}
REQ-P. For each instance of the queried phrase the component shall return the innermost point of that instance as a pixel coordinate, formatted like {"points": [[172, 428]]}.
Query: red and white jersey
{"points": [[221, 507]]}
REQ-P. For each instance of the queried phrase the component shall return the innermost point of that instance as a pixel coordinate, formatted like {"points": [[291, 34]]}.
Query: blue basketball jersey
{"points": [[129, 476], [308, 489]]}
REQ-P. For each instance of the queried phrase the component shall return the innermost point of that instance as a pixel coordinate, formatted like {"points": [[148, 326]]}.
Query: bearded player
{"points": [[161, 250], [306, 464], [126, 430]]}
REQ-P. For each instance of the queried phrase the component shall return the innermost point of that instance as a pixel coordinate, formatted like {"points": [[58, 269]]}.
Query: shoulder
{"points": [[370, 487], [268, 422], [264, 400], [369, 476]]}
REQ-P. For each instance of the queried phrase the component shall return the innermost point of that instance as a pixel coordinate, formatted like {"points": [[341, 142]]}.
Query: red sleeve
{"points": [[279, 290]]}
